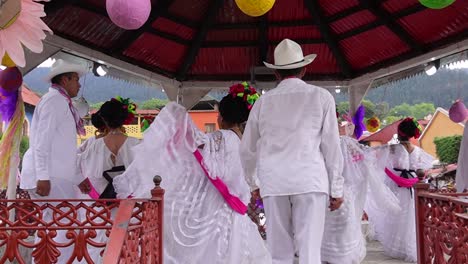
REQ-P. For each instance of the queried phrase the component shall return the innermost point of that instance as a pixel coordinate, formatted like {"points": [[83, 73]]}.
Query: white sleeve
{"points": [[49, 116], [331, 149], [248, 149]]}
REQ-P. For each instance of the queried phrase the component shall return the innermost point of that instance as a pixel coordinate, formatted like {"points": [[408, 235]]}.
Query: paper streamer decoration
{"points": [[358, 121]]}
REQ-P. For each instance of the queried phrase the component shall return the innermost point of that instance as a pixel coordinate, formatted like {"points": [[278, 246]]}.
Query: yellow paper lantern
{"points": [[255, 8], [373, 124], [6, 61]]}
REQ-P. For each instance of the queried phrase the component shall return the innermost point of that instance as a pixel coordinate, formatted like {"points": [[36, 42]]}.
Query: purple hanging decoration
{"points": [[8, 104], [358, 119]]}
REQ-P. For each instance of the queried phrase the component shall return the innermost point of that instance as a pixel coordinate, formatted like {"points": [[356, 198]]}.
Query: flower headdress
{"points": [[246, 92], [129, 106], [146, 122], [418, 128]]}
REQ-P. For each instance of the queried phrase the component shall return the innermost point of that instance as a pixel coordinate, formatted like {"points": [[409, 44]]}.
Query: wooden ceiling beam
{"points": [[198, 39], [263, 39], [386, 19], [314, 8]]}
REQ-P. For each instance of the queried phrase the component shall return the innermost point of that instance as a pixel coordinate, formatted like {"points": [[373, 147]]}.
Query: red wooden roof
{"points": [[29, 96], [214, 40]]}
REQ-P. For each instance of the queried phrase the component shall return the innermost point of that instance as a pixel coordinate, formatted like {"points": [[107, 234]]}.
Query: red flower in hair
{"points": [[252, 90], [417, 133], [236, 89]]}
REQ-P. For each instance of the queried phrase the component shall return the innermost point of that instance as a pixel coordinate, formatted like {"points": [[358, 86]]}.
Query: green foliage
{"points": [[386, 115], [402, 110], [447, 148], [421, 110], [153, 104], [388, 120], [96, 105], [24, 146]]}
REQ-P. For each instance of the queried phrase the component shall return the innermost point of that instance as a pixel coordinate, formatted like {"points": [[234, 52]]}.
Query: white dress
{"points": [[199, 227], [397, 232], [94, 158], [343, 241]]}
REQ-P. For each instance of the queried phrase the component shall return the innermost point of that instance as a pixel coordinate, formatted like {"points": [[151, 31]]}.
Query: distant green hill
{"points": [[440, 89], [97, 89]]}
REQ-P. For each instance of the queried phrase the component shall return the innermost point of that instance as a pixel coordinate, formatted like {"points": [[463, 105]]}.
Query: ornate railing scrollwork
{"points": [[442, 226]]}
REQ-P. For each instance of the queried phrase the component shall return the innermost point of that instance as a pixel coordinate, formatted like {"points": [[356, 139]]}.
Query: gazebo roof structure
{"points": [[206, 43]]}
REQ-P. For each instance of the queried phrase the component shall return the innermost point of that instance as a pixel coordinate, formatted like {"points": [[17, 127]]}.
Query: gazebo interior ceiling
{"points": [[212, 40]]}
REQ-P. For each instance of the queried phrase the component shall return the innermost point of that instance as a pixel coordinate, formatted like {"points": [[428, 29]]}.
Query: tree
{"points": [[401, 111], [96, 105], [370, 108], [388, 120], [421, 110], [343, 108], [153, 104]]}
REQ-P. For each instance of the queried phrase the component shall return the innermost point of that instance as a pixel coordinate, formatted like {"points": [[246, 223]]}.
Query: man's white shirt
{"points": [[291, 142], [53, 143]]}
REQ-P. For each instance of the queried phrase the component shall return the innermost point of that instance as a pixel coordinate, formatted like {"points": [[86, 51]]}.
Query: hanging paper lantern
{"points": [[127, 14], [11, 79], [255, 8], [6, 61], [373, 124], [458, 112], [436, 4]]}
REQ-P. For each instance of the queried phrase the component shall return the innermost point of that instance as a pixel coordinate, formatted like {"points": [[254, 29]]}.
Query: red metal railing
{"points": [[442, 226], [133, 234]]}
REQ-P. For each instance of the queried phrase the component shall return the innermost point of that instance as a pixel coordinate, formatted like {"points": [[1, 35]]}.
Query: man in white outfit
{"points": [[49, 165], [291, 152]]}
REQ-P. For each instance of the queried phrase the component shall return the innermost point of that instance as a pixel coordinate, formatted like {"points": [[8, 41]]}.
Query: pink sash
{"points": [[400, 181], [233, 201]]}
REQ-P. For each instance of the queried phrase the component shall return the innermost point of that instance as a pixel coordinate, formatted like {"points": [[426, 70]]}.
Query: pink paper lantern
{"points": [[11, 79], [127, 14], [458, 112]]}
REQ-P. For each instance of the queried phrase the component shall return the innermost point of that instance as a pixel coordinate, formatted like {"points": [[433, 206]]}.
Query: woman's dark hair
{"points": [[407, 129], [97, 121], [233, 110], [113, 113]]}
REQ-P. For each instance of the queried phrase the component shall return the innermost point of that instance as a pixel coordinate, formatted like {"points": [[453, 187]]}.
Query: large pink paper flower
{"points": [[26, 30]]}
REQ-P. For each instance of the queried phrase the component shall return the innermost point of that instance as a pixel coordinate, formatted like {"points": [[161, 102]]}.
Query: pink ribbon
{"points": [[233, 201], [92, 191], [402, 182]]}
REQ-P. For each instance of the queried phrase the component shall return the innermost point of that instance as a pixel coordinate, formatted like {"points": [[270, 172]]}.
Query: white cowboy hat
{"points": [[60, 66], [288, 55]]}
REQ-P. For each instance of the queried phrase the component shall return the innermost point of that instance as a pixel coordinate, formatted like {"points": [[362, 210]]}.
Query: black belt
{"points": [[407, 174], [109, 191]]}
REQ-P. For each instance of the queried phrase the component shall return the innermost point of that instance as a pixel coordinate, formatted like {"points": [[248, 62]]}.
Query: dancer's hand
{"points": [[43, 187], [254, 196], [335, 203], [85, 186]]}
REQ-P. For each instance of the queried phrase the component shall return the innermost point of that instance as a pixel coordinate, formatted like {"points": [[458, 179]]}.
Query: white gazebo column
{"points": [[356, 94], [189, 97]]}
